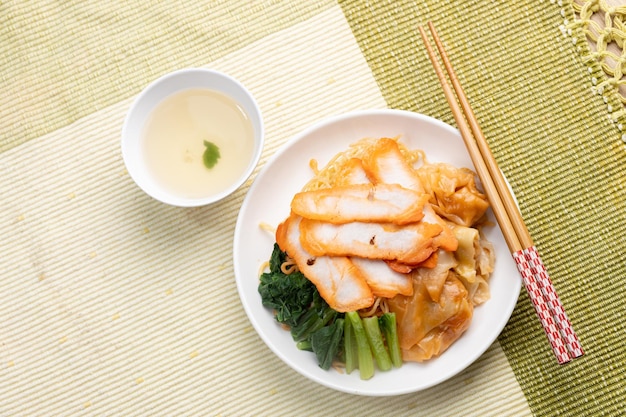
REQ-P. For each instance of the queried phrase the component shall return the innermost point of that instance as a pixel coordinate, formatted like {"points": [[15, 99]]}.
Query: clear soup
{"points": [[174, 142]]}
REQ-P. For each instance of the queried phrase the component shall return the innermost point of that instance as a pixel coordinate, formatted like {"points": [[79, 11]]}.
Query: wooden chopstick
{"points": [[556, 341], [558, 328], [530, 251], [481, 142]]}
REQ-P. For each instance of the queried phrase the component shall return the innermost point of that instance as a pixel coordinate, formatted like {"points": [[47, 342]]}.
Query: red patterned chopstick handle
{"points": [[554, 303], [541, 308]]}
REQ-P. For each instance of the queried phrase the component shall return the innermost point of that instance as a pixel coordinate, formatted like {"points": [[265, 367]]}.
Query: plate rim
{"points": [[236, 264]]}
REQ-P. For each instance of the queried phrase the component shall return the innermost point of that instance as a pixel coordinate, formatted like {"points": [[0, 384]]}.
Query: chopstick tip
{"points": [[431, 26]]}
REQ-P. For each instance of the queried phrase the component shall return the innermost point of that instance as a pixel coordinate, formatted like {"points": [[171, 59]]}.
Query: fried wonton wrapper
{"points": [[427, 328], [338, 281], [453, 193], [389, 203], [475, 263], [434, 279]]}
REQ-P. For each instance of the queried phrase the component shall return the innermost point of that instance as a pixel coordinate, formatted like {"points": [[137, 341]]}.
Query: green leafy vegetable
{"points": [[289, 295], [276, 259], [377, 344], [330, 335], [318, 316], [388, 326], [211, 154], [297, 303], [325, 343]]}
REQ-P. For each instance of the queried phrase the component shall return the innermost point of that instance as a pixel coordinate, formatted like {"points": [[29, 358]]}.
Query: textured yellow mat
{"points": [[114, 304]]}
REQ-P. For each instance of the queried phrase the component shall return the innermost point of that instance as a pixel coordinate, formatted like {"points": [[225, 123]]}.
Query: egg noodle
{"points": [[326, 177]]}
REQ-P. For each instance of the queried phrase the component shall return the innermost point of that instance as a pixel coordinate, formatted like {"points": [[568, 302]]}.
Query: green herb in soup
{"points": [[211, 154]]}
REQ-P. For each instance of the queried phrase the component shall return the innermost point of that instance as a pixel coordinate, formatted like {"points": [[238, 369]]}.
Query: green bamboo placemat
{"points": [[525, 68]]}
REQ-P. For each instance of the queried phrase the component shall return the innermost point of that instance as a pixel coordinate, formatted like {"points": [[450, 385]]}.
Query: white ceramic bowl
{"points": [[153, 95], [268, 202]]}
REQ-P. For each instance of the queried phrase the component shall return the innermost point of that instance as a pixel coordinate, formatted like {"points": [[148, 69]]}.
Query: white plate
{"points": [[268, 201]]}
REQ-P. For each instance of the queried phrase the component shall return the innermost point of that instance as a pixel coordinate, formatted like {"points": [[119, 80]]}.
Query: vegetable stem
{"points": [[375, 339], [366, 362], [304, 345], [350, 352], [388, 326]]}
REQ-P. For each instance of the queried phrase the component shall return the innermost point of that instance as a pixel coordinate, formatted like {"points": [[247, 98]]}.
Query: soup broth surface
{"points": [[174, 136]]}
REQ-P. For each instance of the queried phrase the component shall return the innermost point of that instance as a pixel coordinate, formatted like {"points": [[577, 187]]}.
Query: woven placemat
{"points": [[68, 61], [531, 86], [114, 304]]}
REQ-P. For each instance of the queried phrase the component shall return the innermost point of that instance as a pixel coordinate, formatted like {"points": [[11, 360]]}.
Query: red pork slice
{"points": [[385, 164], [338, 281], [429, 262], [446, 240], [353, 173], [410, 244], [361, 202], [383, 281]]}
